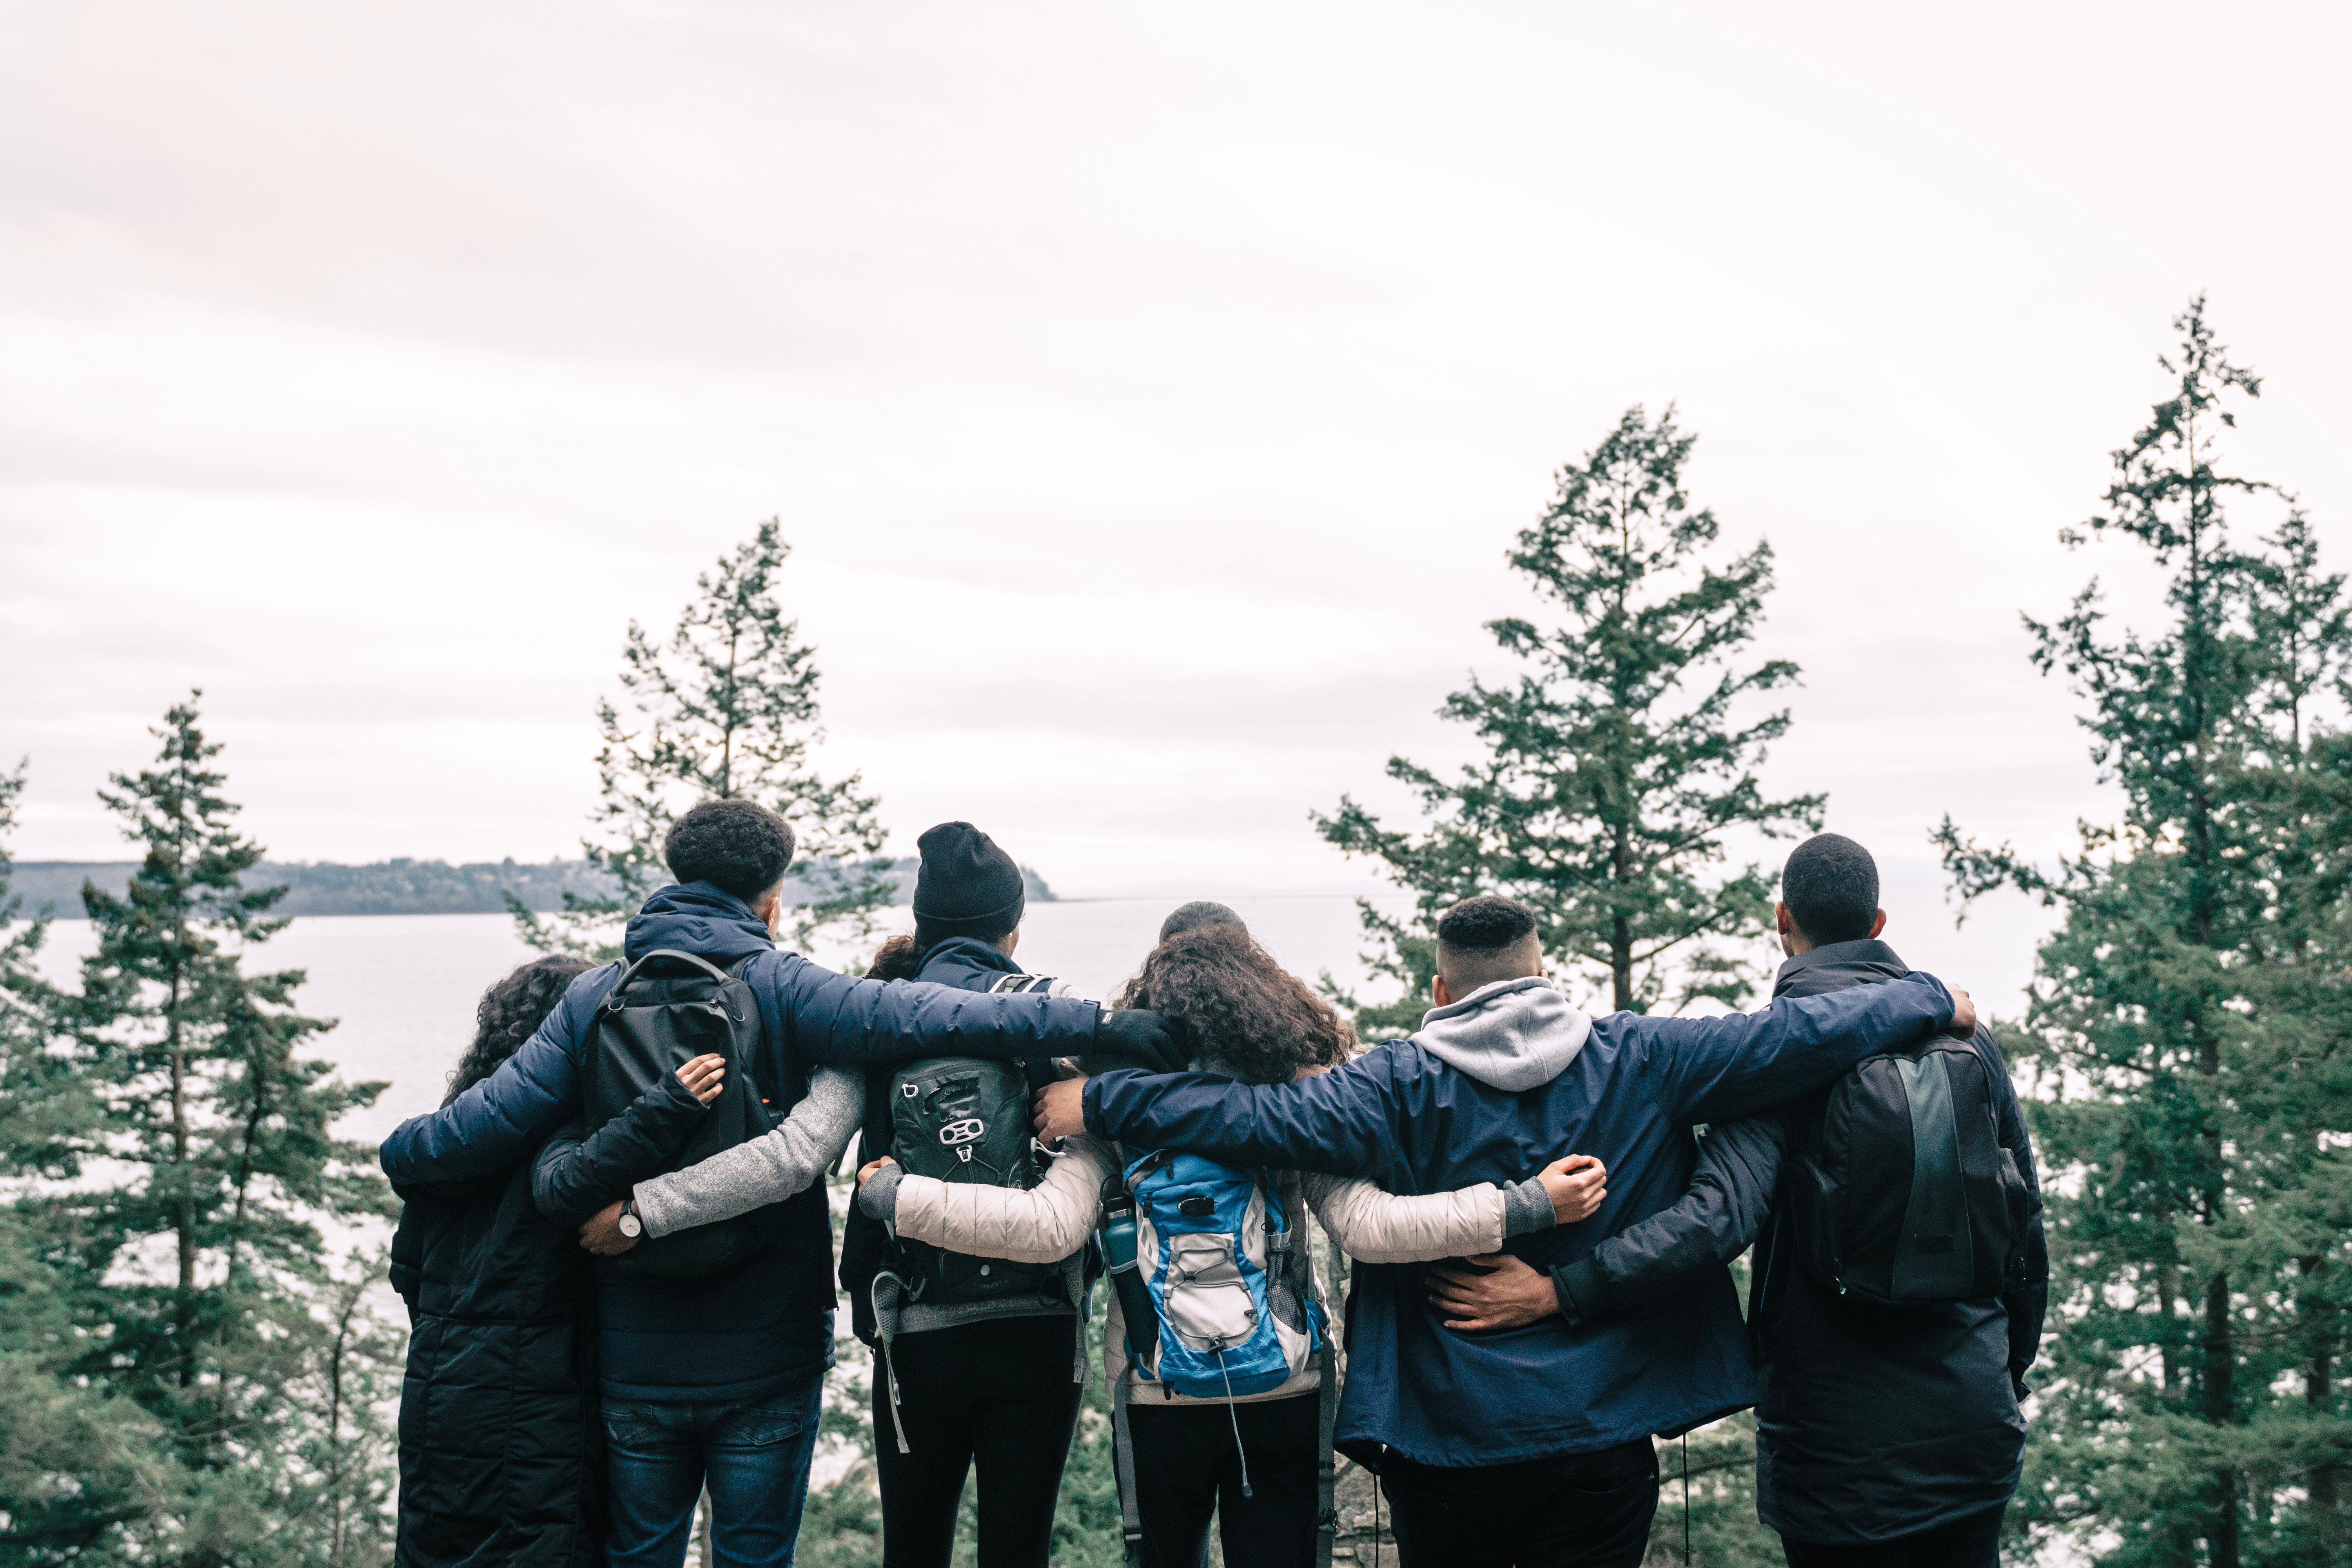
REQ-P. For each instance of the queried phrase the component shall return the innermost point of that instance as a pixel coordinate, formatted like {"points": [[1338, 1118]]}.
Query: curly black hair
{"points": [[1487, 923], [1249, 1018], [511, 1013], [737, 845]]}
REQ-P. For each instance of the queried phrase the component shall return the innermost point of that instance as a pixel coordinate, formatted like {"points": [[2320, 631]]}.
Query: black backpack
{"points": [[966, 1118], [1902, 1193], [652, 1021]]}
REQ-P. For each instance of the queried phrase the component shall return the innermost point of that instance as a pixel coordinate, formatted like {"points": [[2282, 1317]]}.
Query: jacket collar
{"points": [[967, 955], [1836, 965], [698, 918]]}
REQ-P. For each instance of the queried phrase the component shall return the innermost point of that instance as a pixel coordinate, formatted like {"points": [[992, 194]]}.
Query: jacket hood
{"points": [[696, 918], [1515, 1035], [968, 962]]}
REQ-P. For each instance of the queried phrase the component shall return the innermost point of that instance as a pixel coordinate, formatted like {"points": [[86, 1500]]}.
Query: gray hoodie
{"points": [[1513, 1035]]}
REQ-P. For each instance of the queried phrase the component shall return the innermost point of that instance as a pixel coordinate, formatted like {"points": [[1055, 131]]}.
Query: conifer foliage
{"points": [[225, 1375], [725, 708], [2189, 1030], [1619, 758]]}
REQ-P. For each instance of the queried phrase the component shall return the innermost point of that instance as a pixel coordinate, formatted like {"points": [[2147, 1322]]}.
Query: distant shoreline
{"points": [[384, 887]]}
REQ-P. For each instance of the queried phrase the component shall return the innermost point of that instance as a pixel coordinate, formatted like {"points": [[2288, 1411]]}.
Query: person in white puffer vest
{"points": [[1252, 1460]]}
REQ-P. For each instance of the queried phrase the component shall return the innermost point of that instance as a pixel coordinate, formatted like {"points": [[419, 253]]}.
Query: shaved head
{"points": [[1487, 939]]}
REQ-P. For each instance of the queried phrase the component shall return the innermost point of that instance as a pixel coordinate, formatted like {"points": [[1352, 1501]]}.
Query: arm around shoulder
{"points": [[767, 1170], [1375, 1227], [1043, 1224]]}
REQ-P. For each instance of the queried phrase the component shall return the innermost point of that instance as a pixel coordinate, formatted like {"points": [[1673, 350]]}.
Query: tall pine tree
{"points": [[1618, 762], [2187, 1029], [725, 708], [203, 1278]]}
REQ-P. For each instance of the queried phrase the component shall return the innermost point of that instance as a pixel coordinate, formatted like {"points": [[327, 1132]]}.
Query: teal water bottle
{"points": [[1118, 1243]]}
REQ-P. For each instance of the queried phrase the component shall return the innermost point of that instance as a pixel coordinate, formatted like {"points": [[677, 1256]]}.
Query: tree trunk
{"points": [[2220, 1405], [2319, 1391], [183, 1306]]}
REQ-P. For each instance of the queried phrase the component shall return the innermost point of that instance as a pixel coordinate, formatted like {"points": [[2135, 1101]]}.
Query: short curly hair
{"points": [[738, 847], [512, 1011], [1831, 886]]}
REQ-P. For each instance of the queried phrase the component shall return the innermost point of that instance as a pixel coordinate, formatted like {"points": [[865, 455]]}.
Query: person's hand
{"points": [[1964, 1014], [871, 1166], [1061, 1111], [704, 1076], [602, 1234], [1492, 1292], [1577, 1184], [1136, 1037]]}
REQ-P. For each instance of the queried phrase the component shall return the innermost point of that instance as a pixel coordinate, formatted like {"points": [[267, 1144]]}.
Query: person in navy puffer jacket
{"points": [[717, 1380], [1527, 1446]]}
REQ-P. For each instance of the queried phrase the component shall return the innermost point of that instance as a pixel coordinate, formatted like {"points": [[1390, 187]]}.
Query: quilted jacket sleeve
{"points": [[1043, 1224], [767, 1170], [1374, 1227], [499, 1122], [577, 1174], [1727, 1068], [1336, 1121], [830, 1017]]}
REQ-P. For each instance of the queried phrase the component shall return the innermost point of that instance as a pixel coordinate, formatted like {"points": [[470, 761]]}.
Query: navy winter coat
{"points": [[755, 1332], [1411, 1122]]}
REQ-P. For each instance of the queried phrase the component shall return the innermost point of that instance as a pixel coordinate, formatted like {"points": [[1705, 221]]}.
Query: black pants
{"points": [[1186, 1468], [997, 1394], [1970, 1542], [1578, 1510]]}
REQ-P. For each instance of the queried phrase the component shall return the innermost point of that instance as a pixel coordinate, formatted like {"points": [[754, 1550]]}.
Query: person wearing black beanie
{"points": [[980, 1384], [965, 886]]}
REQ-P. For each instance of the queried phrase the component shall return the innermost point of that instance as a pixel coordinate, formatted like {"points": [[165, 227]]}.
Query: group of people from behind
{"points": [[618, 1258]]}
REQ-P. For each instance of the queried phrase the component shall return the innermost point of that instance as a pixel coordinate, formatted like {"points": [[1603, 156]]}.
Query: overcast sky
{"points": [[1149, 394]]}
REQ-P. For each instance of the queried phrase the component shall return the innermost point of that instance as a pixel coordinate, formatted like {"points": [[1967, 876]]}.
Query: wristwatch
{"points": [[631, 1225]]}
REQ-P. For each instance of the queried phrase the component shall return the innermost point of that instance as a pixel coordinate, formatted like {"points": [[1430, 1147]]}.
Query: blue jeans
{"points": [[753, 1457]]}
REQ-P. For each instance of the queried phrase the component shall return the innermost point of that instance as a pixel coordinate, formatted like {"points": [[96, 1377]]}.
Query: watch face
{"points": [[632, 1226]]}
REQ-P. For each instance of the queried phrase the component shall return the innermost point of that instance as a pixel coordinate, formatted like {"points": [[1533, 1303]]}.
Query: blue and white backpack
{"points": [[1236, 1305]]}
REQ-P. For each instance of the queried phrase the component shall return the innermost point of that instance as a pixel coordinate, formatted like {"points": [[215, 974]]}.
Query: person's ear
{"points": [[771, 910], [1879, 924], [1784, 922], [1439, 992]]}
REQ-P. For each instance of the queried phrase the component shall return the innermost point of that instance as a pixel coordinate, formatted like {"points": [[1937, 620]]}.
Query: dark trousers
{"points": [[753, 1457], [1186, 1468], [1575, 1510], [1970, 1542], [996, 1395]]}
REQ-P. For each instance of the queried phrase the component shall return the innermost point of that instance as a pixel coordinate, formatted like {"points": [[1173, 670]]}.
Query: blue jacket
{"points": [[753, 1333], [1629, 1092]]}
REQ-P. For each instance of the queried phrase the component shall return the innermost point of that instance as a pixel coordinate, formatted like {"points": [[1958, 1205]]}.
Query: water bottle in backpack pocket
{"points": [[1214, 1249], [1902, 1193]]}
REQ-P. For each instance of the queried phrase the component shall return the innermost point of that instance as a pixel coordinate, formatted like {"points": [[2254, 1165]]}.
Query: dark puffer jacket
{"points": [[501, 1456]]}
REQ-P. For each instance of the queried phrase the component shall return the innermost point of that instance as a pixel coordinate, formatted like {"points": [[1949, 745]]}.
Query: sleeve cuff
{"points": [[879, 1197], [1582, 1289], [1527, 1208]]}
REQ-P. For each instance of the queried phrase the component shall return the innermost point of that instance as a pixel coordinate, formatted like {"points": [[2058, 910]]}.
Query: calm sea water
{"points": [[403, 987]]}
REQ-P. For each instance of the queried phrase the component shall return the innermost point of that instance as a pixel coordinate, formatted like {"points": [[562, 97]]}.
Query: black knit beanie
{"points": [[965, 886]]}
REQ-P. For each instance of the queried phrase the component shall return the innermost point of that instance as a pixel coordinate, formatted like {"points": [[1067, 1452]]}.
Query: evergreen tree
{"points": [[2186, 1029], [726, 708], [201, 1282], [1615, 765]]}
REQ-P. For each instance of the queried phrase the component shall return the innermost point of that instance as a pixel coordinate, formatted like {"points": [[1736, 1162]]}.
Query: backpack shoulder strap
{"points": [[1131, 1516]]}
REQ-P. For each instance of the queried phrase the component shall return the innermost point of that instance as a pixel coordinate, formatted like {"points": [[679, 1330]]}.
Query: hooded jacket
{"points": [[757, 1332], [1433, 1112]]}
